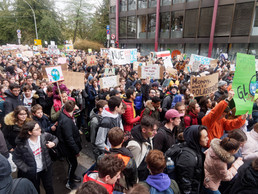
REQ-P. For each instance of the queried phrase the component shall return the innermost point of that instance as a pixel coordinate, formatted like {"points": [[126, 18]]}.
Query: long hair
{"points": [[17, 110], [29, 126]]}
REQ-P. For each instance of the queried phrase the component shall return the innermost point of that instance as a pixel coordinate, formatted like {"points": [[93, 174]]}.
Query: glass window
{"points": [[242, 19], [164, 24], [113, 26], [122, 27], [113, 9], [204, 50], [177, 19], [151, 26], [191, 49], [219, 48], [178, 1], [253, 50], [205, 22], [166, 2], [191, 0], [131, 4], [255, 27], [141, 26], [152, 3], [191, 18], [131, 27], [236, 48], [142, 4], [123, 5], [224, 20]]}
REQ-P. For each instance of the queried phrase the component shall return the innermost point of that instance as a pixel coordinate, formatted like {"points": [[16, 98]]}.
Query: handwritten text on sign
{"points": [[123, 56], [203, 60], [202, 86], [152, 71]]}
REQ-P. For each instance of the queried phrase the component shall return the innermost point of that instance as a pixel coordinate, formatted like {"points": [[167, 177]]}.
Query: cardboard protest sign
{"points": [[244, 83], [35, 48], [77, 59], [202, 86], [104, 51], [19, 55], [213, 63], [28, 54], [64, 67], [187, 69], [203, 60], [91, 60], [152, 71], [89, 51], [168, 62], [74, 80], [195, 66], [137, 64], [123, 56], [109, 82], [171, 71], [53, 50], [54, 74], [109, 71], [69, 47], [61, 60]]}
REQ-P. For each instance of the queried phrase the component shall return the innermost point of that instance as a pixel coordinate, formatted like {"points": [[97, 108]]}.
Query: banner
{"points": [[109, 82], [203, 60], [27, 54], [74, 80], [203, 86], [104, 52], [54, 74], [123, 56], [109, 71], [61, 60], [244, 83], [152, 72]]}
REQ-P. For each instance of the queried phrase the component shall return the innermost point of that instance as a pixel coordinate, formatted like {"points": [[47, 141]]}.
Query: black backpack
{"points": [[174, 153]]}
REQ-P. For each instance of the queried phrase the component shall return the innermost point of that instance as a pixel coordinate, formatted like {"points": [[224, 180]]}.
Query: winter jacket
{"points": [[189, 167], [93, 176], [44, 123], [11, 102], [11, 130], [24, 158], [191, 119], [138, 101], [129, 82], [164, 139], [58, 103], [92, 93], [216, 125], [95, 120], [68, 135], [3, 146], [151, 111], [246, 181], [45, 101], [167, 102], [145, 92], [139, 146], [215, 165], [219, 93], [129, 116], [130, 170], [108, 121], [250, 148]]}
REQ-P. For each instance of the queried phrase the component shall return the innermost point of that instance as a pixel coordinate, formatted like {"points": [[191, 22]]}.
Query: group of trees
{"points": [[79, 20]]}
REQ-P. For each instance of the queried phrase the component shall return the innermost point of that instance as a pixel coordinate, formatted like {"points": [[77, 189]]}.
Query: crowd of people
{"points": [[147, 136]]}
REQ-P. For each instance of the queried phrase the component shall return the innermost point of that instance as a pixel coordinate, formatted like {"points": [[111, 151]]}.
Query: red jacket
{"points": [[193, 117], [128, 116], [216, 125], [109, 187]]}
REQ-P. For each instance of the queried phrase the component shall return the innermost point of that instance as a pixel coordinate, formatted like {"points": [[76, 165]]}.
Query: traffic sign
{"points": [[108, 31], [108, 36], [19, 35], [113, 36], [18, 31], [107, 27]]}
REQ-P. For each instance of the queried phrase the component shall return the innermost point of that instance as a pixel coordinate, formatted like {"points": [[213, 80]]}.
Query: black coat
{"points": [[44, 123], [24, 159], [11, 102], [68, 135], [45, 101]]}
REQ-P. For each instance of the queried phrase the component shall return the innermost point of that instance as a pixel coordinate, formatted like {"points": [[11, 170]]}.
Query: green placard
{"points": [[244, 83]]}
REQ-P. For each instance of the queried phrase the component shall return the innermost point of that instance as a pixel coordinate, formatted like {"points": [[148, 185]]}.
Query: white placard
{"points": [[54, 74], [203, 60], [152, 71], [123, 56], [109, 82], [61, 60]]}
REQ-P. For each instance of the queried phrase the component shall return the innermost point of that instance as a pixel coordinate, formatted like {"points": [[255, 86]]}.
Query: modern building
{"points": [[185, 25]]}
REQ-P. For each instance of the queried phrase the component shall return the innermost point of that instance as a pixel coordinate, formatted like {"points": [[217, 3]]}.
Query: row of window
{"points": [[192, 23]]}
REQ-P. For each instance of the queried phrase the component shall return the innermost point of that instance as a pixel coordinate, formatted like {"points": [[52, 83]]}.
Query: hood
{"points": [[250, 178], [160, 181], [9, 119], [137, 134], [149, 105], [191, 136], [8, 93], [220, 152], [94, 113], [254, 134], [106, 113], [123, 151]]}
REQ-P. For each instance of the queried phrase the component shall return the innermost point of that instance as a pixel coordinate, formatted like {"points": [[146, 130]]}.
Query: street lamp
{"points": [[34, 18]]}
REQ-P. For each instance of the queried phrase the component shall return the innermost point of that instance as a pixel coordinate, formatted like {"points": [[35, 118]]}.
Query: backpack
{"points": [[174, 153], [173, 188], [141, 115]]}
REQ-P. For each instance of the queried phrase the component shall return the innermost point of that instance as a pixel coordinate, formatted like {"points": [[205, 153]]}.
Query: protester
{"points": [[152, 108], [191, 118], [222, 90], [13, 99], [250, 150]]}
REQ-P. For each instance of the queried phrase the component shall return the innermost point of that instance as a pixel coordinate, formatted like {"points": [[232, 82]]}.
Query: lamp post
{"points": [[34, 18]]}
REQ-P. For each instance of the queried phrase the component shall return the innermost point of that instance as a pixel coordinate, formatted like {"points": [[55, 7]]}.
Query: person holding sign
{"points": [[216, 122]]}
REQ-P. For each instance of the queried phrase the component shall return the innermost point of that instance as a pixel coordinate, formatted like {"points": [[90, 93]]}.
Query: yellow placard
{"points": [[37, 42]]}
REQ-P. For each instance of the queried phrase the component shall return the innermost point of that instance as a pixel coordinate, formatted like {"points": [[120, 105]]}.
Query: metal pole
{"points": [[34, 18], [214, 17], [117, 20], [157, 26]]}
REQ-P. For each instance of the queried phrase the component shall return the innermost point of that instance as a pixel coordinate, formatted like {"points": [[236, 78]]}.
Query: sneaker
{"points": [[76, 179], [70, 186]]}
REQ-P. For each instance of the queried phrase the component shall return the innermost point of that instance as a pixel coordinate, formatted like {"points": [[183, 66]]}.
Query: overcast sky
{"points": [[60, 4]]}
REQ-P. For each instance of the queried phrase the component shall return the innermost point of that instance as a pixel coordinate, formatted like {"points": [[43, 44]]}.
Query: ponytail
{"points": [[229, 144]]}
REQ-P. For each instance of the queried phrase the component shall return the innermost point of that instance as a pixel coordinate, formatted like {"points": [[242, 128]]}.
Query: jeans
{"points": [[72, 162]]}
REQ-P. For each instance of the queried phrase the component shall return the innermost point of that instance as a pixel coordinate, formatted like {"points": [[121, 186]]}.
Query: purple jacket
{"points": [[62, 88]]}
